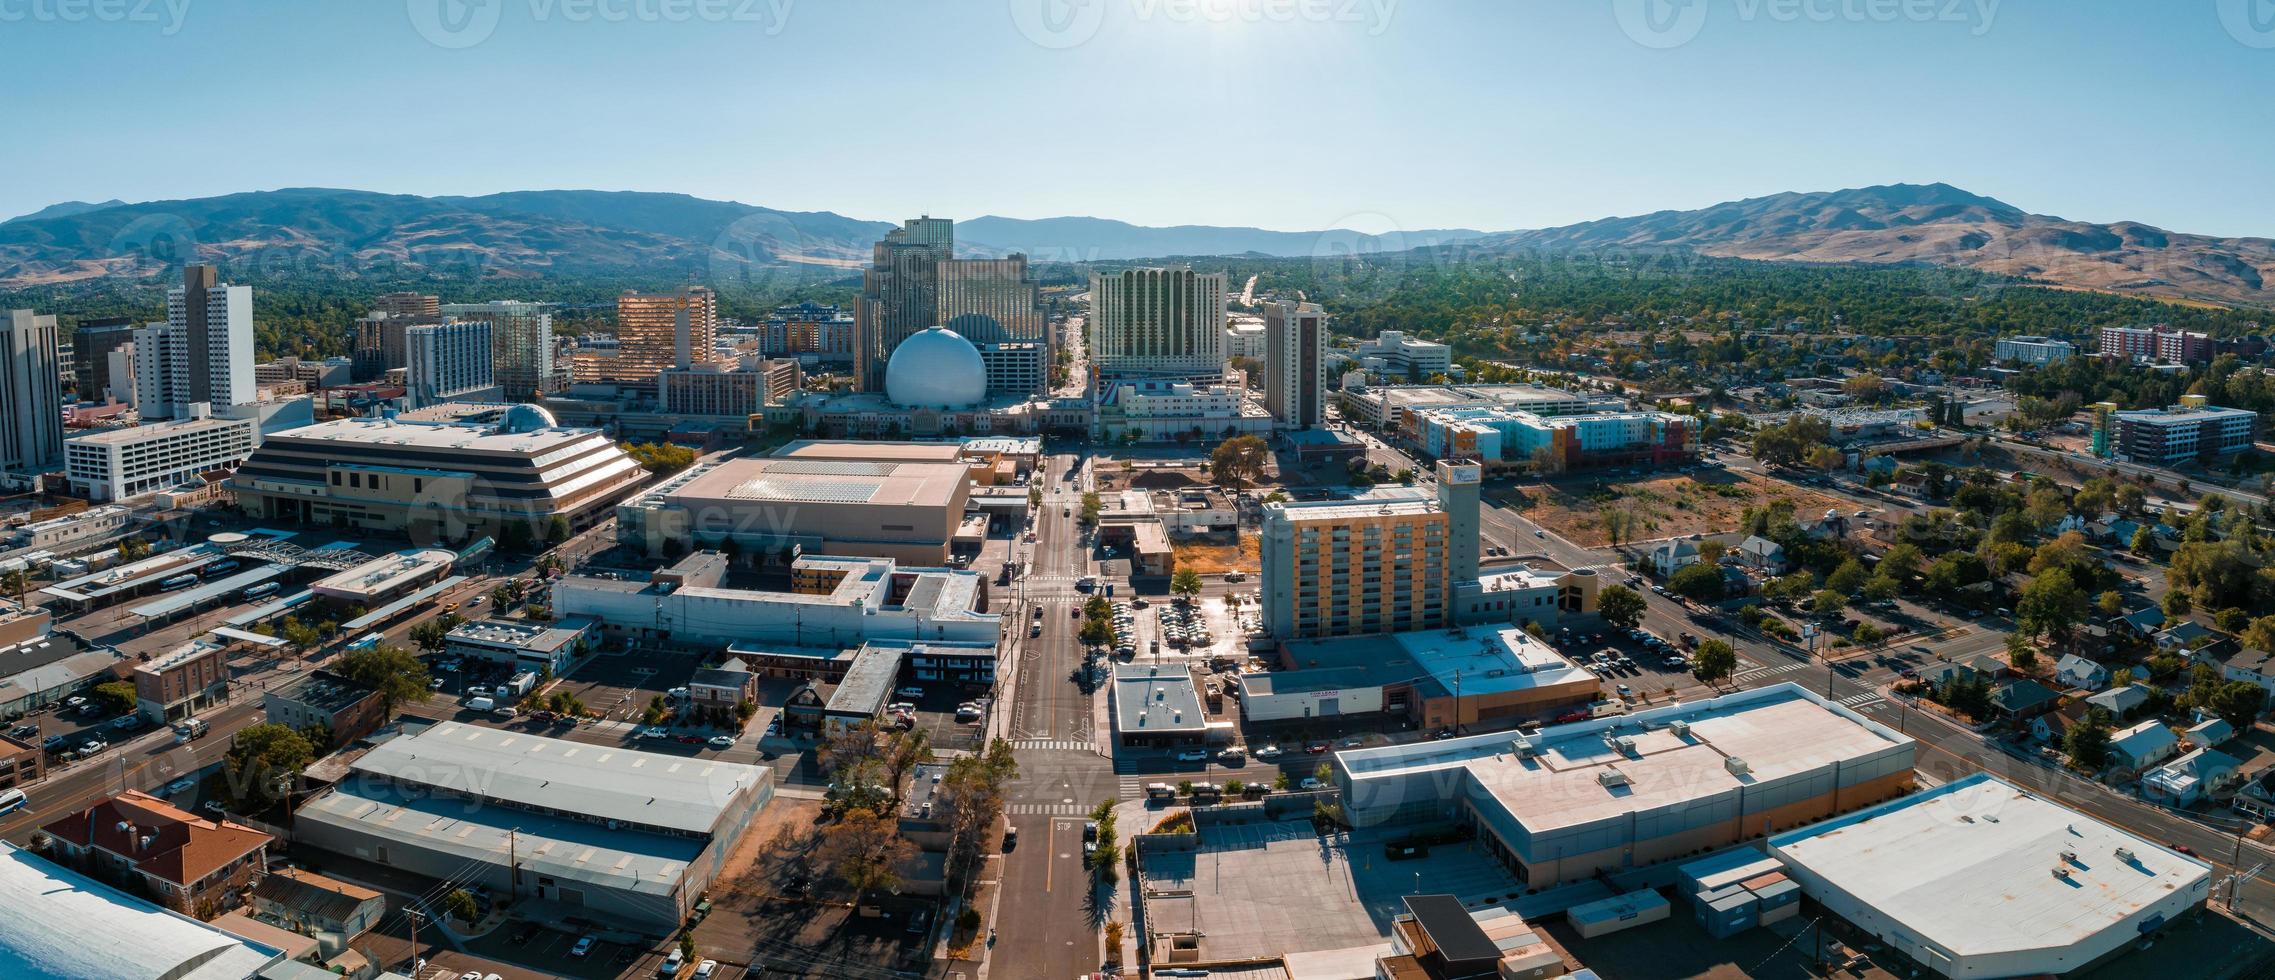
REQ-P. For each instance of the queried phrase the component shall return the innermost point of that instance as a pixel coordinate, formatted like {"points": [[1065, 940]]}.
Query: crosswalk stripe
{"points": [[1766, 671], [1055, 744], [1046, 809], [1860, 700]]}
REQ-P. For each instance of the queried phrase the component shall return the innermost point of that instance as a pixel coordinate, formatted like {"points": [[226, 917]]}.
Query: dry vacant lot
{"points": [[1665, 506]]}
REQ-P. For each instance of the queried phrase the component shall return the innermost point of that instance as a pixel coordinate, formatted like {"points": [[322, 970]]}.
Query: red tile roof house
{"points": [[184, 862]]}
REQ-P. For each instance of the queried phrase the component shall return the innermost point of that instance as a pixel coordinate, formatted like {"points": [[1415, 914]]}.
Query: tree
{"points": [[2021, 653], [1091, 508], [1848, 578], [397, 676], [2087, 742], [1711, 550], [556, 531], [2112, 603], [262, 762], [1186, 582], [116, 697], [864, 850], [1699, 581], [1096, 632], [16, 582], [1620, 606], [1827, 602], [1240, 459], [1619, 522], [1714, 661], [1866, 635], [1880, 588], [2051, 605], [903, 751], [969, 802], [1790, 442], [2144, 542], [460, 905]]}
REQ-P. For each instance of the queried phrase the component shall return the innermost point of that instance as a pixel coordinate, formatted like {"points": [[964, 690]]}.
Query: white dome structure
{"points": [[936, 368], [526, 418]]}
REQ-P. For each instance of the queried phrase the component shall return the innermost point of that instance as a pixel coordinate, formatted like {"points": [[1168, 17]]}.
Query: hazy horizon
{"points": [[1288, 115]]}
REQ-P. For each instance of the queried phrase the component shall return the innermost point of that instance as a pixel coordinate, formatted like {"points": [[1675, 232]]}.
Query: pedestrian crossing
{"points": [[1054, 744], [1864, 700], [1046, 810], [1753, 672]]}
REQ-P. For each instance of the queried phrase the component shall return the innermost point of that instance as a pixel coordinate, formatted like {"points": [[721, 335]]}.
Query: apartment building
{"points": [[31, 398], [2161, 342], [727, 388], [181, 683], [1394, 354], [125, 463], [1158, 323], [92, 343], [521, 344], [448, 362], [203, 353], [656, 332], [1295, 364], [2192, 430], [2032, 350], [1385, 562], [186, 863]]}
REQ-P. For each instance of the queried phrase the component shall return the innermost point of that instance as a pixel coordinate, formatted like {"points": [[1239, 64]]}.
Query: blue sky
{"points": [[1287, 114]]}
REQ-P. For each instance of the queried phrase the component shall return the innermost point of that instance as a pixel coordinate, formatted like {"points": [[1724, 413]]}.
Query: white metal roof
{"points": [[643, 788], [1970, 866], [60, 924]]}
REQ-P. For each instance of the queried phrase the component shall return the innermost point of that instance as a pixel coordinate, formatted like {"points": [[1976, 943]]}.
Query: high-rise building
{"points": [[418, 308], [120, 370], [448, 361], [31, 397], [996, 304], [1295, 364], [521, 338], [2162, 342], [900, 293], [808, 329], [1386, 562], [2032, 349], [379, 343], [92, 342], [206, 351], [1158, 323], [658, 331]]}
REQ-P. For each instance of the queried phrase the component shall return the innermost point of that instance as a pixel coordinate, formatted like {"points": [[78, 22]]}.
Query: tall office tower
{"points": [[91, 345], [1295, 364], [521, 338], [379, 343], [997, 306], [1386, 562], [417, 308], [31, 397], [900, 293], [157, 385], [211, 359], [657, 331], [1152, 323], [447, 361]]}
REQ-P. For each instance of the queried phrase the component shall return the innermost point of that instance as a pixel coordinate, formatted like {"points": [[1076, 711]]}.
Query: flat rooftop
{"points": [[523, 634], [1157, 698], [1968, 866], [386, 574], [1777, 732], [1490, 660], [846, 449], [469, 436], [154, 430], [51, 929], [643, 788], [1373, 503], [876, 483]]}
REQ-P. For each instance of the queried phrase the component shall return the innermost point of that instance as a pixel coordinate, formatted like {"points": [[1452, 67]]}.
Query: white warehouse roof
{"points": [[61, 924], [1994, 880]]}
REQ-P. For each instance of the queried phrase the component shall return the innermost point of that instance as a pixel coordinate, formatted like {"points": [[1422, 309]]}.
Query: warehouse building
{"points": [[1608, 794], [630, 837], [450, 479], [1980, 878], [833, 603], [1436, 679], [521, 644], [881, 508]]}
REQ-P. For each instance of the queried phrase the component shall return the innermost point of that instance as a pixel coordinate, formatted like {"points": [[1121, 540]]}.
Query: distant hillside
{"points": [[1104, 239], [65, 210], [1941, 225]]}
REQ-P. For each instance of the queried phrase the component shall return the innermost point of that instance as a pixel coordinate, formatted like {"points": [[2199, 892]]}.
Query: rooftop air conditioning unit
{"points": [[2061, 871], [2125, 854], [1680, 727], [1611, 776], [1625, 744], [1737, 766], [1524, 748]]}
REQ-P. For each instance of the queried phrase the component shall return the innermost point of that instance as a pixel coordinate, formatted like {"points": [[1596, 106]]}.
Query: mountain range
{"points": [[539, 233]]}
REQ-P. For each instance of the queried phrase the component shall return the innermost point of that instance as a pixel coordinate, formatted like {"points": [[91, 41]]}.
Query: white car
{"points": [[583, 946], [653, 732], [1268, 752], [704, 969], [1311, 783], [722, 742]]}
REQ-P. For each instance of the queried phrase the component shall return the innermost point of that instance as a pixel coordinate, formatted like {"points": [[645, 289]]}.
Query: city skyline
{"points": [[1535, 116]]}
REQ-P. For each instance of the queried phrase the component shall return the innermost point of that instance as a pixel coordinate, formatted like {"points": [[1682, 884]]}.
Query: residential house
{"points": [[2120, 702], [2144, 622], [2144, 745], [2186, 635], [804, 709], [332, 912], [2055, 725], [182, 861], [1672, 556], [1762, 553], [2024, 698], [2209, 732], [723, 687], [2076, 671], [2201, 774], [2255, 666]]}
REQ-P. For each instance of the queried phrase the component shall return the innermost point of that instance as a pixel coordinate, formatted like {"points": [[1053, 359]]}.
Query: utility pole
{"points": [[513, 864], [414, 915]]}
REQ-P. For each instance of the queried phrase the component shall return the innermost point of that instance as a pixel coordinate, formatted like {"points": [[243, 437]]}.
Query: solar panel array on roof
{"points": [[832, 467], [818, 491]]}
